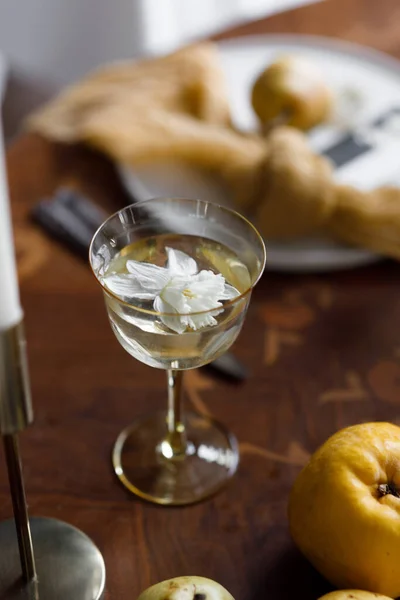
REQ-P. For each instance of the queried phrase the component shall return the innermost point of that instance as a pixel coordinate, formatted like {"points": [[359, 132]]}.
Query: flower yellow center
{"points": [[188, 293]]}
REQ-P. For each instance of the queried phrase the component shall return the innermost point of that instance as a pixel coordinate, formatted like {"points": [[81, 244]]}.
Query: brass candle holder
{"points": [[40, 558]]}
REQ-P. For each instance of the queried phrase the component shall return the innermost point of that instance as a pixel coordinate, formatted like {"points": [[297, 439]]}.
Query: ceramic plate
{"points": [[366, 84]]}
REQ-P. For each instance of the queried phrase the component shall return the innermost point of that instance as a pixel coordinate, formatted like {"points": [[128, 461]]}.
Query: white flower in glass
{"points": [[178, 288]]}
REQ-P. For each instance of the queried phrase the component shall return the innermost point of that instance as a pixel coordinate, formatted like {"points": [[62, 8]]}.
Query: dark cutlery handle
{"points": [[229, 366], [63, 226], [81, 207], [350, 146]]}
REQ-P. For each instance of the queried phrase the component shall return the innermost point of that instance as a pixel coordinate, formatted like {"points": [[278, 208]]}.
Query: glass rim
{"points": [[176, 314]]}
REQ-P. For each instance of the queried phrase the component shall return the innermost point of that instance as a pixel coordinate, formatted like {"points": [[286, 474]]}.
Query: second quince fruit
{"points": [[293, 89], [186, 588], [344, 509], [353, 595]]}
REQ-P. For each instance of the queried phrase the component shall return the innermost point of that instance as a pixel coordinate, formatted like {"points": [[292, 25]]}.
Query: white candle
{"points": [[10, 306]]}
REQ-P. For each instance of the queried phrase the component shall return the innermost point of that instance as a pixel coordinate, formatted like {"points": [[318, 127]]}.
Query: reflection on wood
{"points": [[287, 316], [296, 455], [274, 340], [319, 294], [355, 391], [384, 379]]}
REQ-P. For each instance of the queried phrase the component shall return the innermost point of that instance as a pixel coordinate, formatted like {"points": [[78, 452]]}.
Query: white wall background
{"points": [[49, 43]]}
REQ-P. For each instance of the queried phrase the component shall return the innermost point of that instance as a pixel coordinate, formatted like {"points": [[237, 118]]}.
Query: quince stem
{"points": [[388, 488]]}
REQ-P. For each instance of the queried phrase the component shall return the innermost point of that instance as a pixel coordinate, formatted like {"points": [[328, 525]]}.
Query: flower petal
{"points": [[173, 295], [126, 285], [149, 277], [204, 290], [178, 324], [229, 292], [207, 283], [180, 263], [207, 320]]}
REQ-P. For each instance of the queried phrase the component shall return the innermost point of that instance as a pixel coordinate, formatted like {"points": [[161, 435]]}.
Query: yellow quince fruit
{"points": [[353, 595], [292, 90], [186, 588], [344, 509]]}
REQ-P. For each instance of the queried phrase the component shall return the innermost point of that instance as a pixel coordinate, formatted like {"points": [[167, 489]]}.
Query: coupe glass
{"points": [[172, 457]]}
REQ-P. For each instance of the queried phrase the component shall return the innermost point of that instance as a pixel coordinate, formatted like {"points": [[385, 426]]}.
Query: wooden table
{"points": [[324, 352]]}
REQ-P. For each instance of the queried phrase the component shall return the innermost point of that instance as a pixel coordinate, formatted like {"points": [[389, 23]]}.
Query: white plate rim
{"points": [[316, 41]]}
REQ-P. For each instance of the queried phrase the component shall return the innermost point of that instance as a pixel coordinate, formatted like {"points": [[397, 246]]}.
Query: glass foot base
{"points": [[211, 459]]}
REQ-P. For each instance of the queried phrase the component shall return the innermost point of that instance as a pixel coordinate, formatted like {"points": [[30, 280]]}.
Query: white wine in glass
{"points": [[177, 276]]}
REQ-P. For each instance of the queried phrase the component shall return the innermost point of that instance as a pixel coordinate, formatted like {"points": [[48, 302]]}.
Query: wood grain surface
{"points": [[324, 352]]}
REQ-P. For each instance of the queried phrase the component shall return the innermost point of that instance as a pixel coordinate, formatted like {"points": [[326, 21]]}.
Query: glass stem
{"points": [[176, 429]]}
